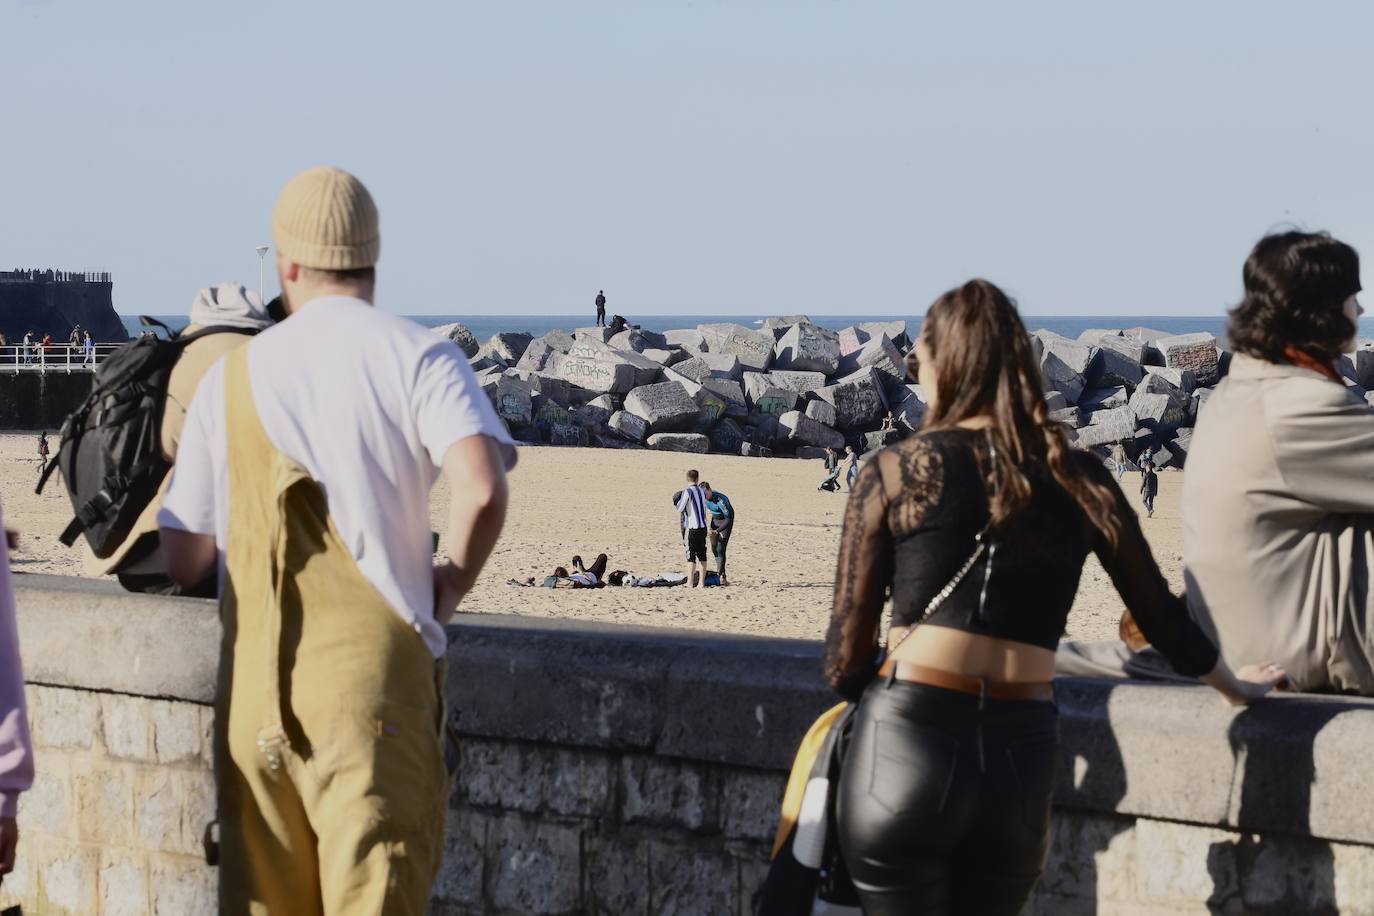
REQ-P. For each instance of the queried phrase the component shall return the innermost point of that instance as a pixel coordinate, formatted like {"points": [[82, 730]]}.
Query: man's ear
{"points": [[289, 271]]}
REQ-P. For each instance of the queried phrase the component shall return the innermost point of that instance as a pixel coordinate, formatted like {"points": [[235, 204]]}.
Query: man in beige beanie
{"points": [[305, 469]]}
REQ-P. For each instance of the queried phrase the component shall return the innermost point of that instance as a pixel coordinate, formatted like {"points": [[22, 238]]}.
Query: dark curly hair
{"points": [[1296, 284]]}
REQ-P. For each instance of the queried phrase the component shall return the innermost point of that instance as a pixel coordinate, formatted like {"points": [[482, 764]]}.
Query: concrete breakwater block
{"points": [[1120, 360], [858, 399], [803, 429], [822, 412], [511, 398], [807, 348], [727, 436], [599, 333], [1195, 352], [1106, 427], [592, 373], [880, 353], [509, 345], [774, 402], [731, 393], [753, 349], [694, 368], [627, 426], [664, 406], [638, 340], [1065, 364], [459, 334], [680, 442]]}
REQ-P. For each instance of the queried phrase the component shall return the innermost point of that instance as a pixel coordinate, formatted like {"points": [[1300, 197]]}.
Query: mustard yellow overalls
{"points": [[329, 715]]}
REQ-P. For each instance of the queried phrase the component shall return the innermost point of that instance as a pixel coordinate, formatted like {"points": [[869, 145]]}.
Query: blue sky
{"points": [[750, 157]]}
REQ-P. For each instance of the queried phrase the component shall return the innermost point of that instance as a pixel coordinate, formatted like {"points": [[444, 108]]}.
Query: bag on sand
{"points": [[111, 446], [807, 876]]}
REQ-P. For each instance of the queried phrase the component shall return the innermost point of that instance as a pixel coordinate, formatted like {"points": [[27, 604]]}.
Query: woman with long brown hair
{"points": [[977, 527]]}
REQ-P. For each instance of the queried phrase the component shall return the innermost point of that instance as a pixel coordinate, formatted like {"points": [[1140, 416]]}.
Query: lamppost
{"points": [[262, 260]]}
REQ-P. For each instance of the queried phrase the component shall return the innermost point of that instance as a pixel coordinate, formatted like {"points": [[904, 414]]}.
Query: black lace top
{"points": [[911, 524]]}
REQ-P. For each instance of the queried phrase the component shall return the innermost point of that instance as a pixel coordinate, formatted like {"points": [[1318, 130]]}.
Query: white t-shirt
{"points": [[368, 403]]}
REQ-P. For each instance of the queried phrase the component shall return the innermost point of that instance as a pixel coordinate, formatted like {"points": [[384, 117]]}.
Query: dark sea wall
{"points": [[40, 400], [44, 305]]}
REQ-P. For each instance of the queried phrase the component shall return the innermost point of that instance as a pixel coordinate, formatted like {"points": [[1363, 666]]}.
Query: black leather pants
{"points": [[944, 800]]}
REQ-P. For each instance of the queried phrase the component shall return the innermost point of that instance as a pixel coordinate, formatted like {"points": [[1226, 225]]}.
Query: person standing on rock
{"points": [[1149, 487], [601, 308], [692, 504], [304, 471]]}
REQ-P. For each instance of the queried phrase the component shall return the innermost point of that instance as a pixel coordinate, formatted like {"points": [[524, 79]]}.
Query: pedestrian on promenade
{"points": [[28, 347], [721, 527], [980, 525], [43, 347], [1149, 487], [601, 308], [88, 348], [691, 503], [304, 469], [16, 749]]}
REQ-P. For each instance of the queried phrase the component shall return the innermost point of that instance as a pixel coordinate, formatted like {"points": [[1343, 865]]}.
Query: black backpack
{"points": [[111, 446]]}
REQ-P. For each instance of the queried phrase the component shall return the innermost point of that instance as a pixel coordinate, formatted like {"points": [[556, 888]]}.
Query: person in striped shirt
{"points": [[695, 515]]}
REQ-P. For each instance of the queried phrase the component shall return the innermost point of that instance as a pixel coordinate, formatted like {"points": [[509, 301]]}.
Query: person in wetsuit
{"points": [[978, 528]]}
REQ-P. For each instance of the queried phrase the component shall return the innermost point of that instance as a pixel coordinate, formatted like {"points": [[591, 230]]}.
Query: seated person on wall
{"points": [[138, 563], [1278, 498]]}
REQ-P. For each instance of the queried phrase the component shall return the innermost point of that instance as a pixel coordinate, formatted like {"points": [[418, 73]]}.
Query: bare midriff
{"points": [[974, 655]]}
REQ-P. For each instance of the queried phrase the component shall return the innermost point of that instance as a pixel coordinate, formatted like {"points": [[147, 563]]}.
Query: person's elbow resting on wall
{"points": [[190, 557]]}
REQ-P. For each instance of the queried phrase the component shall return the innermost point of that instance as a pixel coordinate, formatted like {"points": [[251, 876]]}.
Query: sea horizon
{"points": [[484, 326]]}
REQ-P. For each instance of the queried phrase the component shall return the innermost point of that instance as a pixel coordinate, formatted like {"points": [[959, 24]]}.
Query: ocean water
{"points": [[483, 326]]}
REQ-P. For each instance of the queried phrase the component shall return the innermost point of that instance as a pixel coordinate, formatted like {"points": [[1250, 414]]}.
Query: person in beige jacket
{"points": [[1278, 498], [138, 562]]}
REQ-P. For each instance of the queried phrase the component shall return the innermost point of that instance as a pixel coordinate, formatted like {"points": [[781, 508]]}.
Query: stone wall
{"points": [[41, 400], [627, 770]]}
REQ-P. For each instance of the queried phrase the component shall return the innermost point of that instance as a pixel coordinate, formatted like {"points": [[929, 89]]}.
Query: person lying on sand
{"points": [[584, 576]]}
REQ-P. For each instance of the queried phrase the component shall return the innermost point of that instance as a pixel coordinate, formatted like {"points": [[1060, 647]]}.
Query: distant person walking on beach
{"points": [[601, 308], [42, 450], [832, 471], [692, 504], [851, 465], [1149, 487], [1119, 460], [722, 524], [88, 348], [329, 738]]}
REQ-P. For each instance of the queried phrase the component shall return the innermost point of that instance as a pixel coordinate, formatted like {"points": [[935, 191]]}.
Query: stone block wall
{"points": [[115, 819], [610, 770], [546, 829]]}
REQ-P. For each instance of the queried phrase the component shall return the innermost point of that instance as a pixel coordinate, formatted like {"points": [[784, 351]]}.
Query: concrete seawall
{"points": [[41, 400], [628, 770]]}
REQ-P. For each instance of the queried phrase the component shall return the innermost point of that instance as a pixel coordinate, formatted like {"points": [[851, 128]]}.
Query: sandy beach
{"points": [[569, 501]]}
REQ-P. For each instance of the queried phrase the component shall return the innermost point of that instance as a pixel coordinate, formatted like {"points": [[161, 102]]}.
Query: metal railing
{"points": [[57, 357]]}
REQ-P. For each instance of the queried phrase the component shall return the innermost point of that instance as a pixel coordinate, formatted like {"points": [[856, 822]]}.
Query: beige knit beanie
{"points": [[325, 219]]}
